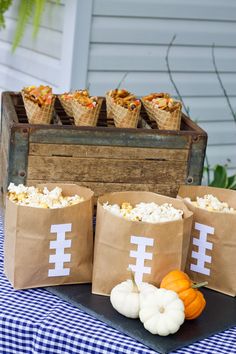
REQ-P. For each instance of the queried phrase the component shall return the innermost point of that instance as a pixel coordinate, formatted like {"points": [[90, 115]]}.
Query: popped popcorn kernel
{"points": [[211, 203], [34, 197], [147, 212]]}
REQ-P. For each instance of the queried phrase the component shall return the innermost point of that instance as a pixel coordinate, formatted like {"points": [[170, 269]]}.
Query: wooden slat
{"points": [[102, 188], [111, 137], [18, 156], [120, 57], [48, 41], [141, 83], [152, 31], [201, 9], [196, 161], [107, 152], [105, 170]]}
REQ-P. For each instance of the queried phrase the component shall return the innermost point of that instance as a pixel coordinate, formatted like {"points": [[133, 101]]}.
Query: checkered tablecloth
{"points": [[36, 321]]}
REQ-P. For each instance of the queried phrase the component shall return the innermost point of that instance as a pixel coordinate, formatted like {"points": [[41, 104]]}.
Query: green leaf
{"points": [[25, 11], [4, 6], [220, 177], [39, 7], [232, 182]]}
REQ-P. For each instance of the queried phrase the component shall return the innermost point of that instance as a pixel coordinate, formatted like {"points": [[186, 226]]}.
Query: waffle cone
{"points": [[109, 102], [84, 116], [165, 120], [36, 114], [149, 109], [67, 106], [123, 117]]}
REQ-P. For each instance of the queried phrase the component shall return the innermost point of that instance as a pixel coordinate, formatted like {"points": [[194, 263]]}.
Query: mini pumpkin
{"points": [[193, 299], [127, 296], [162, 312]]}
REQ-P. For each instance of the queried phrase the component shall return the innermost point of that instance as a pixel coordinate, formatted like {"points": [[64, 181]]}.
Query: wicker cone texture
{"points": [[66, 104], [123, 117], [149, 109], [84, 116], [165, 120], [36, 114], [109, 102]]}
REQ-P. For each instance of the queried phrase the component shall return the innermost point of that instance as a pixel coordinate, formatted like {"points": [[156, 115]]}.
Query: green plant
{"points": [[26, 10], [221, 178], [4, 6]]}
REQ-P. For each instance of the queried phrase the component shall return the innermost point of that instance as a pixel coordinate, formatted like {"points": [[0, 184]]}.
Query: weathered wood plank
{"points": [[102, 188], [18, 156], [110, 137], [105, 170], [107, 151], [196, 161]]}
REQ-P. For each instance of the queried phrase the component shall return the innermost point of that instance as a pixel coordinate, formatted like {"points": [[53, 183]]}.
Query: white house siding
{"points": [[133, 35], [35, 61]]}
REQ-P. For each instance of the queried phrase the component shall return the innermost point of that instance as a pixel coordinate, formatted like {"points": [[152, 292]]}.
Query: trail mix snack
{"points": [[164, 110], [85, 108], [124, 98], [123, 107], [211, 203], [66, 100], [83, 97], [41, 95], [41, 198], [39, 102], [148, 212]]}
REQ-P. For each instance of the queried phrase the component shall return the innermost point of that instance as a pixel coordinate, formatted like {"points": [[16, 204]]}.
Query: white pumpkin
{"points": [[162, 312], [125, 297]]}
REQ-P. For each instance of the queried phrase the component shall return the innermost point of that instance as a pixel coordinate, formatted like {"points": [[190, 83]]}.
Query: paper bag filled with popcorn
{"points": [[212, 252], [48, 235], [144, 231]]}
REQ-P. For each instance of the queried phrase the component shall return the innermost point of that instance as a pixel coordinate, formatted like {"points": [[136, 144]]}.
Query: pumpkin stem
{"points": [[199, 285], [135, 286]]}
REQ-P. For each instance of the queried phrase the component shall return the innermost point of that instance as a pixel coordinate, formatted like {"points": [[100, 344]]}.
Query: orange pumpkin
{"points": [[192, 298]]}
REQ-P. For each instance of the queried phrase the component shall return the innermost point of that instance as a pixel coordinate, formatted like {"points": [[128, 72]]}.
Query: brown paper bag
{"points": [[44, 247], [212, 252], [150, 249]]}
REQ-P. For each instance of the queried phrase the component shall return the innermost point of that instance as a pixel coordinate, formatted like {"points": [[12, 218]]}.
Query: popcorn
{"points": [[147, 212], [211, 203], [34, 197]]}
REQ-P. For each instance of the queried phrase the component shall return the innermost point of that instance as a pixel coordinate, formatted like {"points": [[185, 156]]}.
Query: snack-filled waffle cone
{"points": [[169, 120], [67, 105], [164, 110], [123, 117], [84, 116], [123, 107], [37, 114]]}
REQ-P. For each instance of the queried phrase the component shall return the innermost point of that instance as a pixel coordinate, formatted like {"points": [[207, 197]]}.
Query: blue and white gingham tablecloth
{"points": [[36, 321]]}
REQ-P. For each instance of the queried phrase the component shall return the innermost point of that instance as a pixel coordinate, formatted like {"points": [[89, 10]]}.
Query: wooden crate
{"points": [[103, 158]]}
